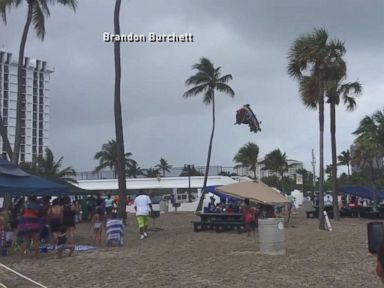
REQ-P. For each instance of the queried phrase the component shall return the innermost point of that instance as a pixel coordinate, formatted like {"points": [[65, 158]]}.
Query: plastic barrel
{"points": [[375, 236], [271, 236]]}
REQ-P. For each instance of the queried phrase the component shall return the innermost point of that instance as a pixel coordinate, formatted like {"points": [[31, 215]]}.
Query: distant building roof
{"points": [[155, 183]]}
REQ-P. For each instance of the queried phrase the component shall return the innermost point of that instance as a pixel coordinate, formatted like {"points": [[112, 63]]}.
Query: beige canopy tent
{"points": [[256, 191]]}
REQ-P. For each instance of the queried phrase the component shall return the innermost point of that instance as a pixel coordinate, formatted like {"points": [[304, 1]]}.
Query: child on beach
{"points": [[62, 242], [97, 226]]}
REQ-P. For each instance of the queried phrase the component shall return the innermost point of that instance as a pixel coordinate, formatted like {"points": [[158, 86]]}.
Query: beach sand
{"points": [[177, 257]]}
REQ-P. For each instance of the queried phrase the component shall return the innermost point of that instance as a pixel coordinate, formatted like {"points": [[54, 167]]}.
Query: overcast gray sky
{"points": [[248, 39]]}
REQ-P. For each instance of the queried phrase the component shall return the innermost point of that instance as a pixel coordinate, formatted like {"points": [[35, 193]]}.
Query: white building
{"points": [[35, 104], [293, 166], [178, 186]]}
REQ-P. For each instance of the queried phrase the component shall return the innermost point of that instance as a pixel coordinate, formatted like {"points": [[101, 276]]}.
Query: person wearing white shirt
{"points": [[143, 206], [108, 205]]}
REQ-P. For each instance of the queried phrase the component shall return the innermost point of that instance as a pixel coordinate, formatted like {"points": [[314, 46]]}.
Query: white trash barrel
{"points": [[271, 236]]}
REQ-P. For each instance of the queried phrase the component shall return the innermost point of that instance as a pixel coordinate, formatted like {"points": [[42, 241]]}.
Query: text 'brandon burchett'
{"points": [[151, 37]]}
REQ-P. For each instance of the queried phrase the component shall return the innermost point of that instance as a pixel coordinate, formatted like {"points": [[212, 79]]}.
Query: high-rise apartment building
{"points": [[35, 104]]}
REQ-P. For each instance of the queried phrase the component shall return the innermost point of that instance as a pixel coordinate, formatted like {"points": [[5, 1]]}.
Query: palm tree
{"points": [[276, 161], [118, 115], [315, 56], [134, 170], [108, 158], [151, 172], [164, 166], [37, 12], [46, 166], [369, 145], [190, 171], [247, 157], [207, 80], [335, 90], [345, 159]]}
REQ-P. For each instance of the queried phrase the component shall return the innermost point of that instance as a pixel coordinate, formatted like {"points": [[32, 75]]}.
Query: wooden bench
{"points": [[202, 226], [225, 226]]}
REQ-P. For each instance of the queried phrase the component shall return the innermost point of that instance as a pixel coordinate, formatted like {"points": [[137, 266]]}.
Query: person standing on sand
{"points": [[55, 218], [108, 206], [69, 212], [97, 226], [143, 206], [248, 216]]}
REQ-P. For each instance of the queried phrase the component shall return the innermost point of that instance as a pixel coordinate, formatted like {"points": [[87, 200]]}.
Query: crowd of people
{"points": [[32, 222], [36, 222], [251, 211]]}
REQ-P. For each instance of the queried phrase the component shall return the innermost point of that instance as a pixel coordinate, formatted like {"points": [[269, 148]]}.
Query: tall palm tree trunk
{"points": [[334, 162], [20, 82], [200, 205], [118, 117], [321, 157], [348, 170], [6, 145], [282, 182]]}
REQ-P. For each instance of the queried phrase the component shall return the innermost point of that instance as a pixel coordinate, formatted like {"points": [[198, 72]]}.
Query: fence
{"points": [[174, 172]]}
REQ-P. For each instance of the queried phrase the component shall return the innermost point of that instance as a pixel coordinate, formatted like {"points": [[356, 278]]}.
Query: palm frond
{"points": [[225, 78], [71, 3], [208, 96], [205, 65], [225, 89], [195, 90], [308, 91], [38, 20], [43, 6], [200, 77], [4, 4]]}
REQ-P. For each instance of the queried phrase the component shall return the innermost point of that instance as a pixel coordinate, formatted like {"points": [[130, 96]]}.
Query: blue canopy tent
{"points": [[361, 191], [15, 182], [221, 195]]}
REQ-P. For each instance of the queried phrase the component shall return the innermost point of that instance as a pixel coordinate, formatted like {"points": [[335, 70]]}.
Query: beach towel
{"points": [[115, 231], [78, 248]]}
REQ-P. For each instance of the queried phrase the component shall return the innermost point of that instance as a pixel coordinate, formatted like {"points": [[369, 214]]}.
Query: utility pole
{"points": [[313, 171]]}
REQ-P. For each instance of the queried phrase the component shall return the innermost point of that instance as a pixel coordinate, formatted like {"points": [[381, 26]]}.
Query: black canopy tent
{"points": [[14, 182]]}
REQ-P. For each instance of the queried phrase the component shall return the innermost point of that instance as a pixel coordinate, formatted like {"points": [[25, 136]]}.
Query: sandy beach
{"points": [[177, 257]]}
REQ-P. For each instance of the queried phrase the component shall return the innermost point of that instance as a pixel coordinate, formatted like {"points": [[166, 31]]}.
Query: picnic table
{"points": [[219, 222]]}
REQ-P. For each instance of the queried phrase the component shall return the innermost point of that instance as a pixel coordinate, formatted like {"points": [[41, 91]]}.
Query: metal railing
{"points": [[174, 172]]}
